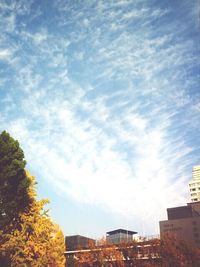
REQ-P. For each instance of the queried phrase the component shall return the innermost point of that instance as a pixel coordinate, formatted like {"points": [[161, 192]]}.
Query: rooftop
{"points": [[123, 231]]}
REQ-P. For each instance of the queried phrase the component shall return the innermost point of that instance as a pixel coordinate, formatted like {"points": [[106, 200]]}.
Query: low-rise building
{"points": [[75, 242], [118, 247]]}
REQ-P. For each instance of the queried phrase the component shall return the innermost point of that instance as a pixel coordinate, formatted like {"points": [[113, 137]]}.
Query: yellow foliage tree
{"points": [[36, 241], [102, 255]]}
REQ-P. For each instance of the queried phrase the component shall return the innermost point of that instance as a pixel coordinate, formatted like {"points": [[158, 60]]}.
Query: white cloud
{"points": [[135, 14], [79, 158], [38, 38], [5, 54], [98, 108]]}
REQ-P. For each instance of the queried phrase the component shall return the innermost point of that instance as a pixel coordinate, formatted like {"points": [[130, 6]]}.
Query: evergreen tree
{"points": [[14, 184]]}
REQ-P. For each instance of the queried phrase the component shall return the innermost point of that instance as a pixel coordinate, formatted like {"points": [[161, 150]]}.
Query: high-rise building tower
{"points": [[194, 184]]}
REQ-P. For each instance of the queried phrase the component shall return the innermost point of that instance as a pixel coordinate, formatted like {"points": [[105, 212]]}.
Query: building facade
{"points": [[120, 236], [194, 184], [183, 223], [75, 242]]}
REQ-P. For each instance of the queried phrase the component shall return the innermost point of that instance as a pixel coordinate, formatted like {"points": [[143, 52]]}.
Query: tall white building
{"points": [[194, 184]]}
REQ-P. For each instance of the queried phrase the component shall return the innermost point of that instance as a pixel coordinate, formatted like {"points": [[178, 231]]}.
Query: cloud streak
{"points": [[106, 96]]}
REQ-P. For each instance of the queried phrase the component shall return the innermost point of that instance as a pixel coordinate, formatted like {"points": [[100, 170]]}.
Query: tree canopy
{"points": [[14, 183], [28, 236]]}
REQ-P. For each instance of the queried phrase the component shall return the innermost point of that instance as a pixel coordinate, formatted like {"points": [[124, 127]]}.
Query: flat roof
{"points": [[193, 202], [180, 207], [123, 231]]}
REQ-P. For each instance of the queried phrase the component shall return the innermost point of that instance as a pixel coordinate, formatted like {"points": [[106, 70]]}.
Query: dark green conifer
{"points": [[14, 183]]}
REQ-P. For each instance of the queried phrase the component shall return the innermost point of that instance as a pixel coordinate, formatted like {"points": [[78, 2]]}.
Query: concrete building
{"points": [[194, 184], [120, 236], [183, 223]]}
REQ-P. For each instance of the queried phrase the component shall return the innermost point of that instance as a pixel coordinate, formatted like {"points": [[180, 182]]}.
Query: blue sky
{"points": [[104, 98]]}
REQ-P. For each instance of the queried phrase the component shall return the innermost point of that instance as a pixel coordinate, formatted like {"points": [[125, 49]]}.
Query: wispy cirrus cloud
{"points": [[103, 97], [5, 54], [86, 161]]}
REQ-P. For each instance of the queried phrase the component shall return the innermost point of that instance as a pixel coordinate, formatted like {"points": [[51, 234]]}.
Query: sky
{"points": [[104, 98]]}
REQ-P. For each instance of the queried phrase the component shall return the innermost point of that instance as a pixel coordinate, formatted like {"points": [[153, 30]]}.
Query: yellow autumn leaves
{"points": [[28, 236]]}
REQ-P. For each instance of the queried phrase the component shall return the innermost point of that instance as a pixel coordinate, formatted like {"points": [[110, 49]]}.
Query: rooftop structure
{"points": [[179, 212], [120, 236], [121, 231]]}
